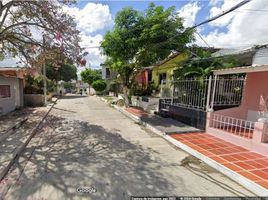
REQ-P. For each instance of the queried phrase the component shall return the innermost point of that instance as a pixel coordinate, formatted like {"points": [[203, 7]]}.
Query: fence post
{"points": [[260, 131], [208, 93], [172, 92], [213, 93], [161, 89]]}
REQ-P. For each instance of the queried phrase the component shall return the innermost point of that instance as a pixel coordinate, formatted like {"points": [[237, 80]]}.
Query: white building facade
{"points": [[11, 92]]}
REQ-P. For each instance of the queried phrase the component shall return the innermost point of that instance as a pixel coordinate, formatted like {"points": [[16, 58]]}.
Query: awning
{"points": [[240, 70]]}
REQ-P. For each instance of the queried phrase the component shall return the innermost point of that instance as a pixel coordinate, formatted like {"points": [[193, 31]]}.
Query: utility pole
{"points": [[44, 73]]}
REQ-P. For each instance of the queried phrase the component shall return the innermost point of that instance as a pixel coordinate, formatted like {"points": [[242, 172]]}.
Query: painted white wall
{"points": [[103, 72], [261, 57], [253, 115], [14, 101]]}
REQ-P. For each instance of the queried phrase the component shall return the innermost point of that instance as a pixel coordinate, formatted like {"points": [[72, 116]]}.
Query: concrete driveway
{"points": [[88, 150]]}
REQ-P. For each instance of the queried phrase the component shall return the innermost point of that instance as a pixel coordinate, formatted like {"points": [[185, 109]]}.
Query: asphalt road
{"points": [[88, 150]]}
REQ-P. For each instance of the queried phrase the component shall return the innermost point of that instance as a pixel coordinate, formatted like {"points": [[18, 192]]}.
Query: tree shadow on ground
{"points": [[15, 137], [75, 96], [76, 153]]}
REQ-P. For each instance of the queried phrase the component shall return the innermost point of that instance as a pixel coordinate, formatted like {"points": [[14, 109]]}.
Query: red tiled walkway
{"points": [[249, 164], [137, 111]]}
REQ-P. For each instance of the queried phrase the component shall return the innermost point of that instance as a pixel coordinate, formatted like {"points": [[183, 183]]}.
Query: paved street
{"points": [[87, 144]]}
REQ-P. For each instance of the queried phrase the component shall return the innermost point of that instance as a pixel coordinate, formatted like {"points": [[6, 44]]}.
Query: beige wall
{"points": [[16, 91]]}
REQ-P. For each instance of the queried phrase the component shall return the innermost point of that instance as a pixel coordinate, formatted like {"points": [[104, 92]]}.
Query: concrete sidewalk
{"points": [[11, 139], [166, 125], [247, 168]]}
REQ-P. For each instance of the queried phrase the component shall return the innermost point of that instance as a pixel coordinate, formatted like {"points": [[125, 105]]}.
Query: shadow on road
{"points": [[73, 96], [89, 156]]}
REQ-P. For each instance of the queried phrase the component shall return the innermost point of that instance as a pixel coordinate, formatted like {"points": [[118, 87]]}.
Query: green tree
{"points": [[68, 85], [35, 85], [99, 85], [141, 39], [23, 23], [90, 75], [65, 72], [202, 65]]}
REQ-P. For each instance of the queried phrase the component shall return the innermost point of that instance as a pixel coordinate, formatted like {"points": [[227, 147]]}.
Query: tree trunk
{"points": [[126, 96]]}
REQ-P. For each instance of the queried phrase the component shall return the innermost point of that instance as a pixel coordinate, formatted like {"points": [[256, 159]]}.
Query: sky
{"points": [[246, 26]]}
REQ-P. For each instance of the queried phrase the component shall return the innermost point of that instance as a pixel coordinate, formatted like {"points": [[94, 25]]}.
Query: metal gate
{"points": [[188, 100]]}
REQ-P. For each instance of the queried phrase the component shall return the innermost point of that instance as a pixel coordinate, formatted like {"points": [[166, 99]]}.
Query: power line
{"points": [[222, 14], [207, 21], [203, 39]]}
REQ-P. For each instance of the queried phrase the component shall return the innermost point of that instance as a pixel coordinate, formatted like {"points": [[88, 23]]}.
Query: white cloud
{"points": [[92, 17], [218, 9], [189, 12], [94, 57], [215, 2], [247, 27]]}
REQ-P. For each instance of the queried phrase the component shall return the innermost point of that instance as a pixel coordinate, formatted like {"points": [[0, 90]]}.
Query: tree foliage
{"points": [[29, 27], [99, 85], [141, 39], [90, 75], [35, 85], [68, 85], [202, 64], [66, 72]]}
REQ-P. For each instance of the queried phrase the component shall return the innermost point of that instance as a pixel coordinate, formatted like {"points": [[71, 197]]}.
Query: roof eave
{"points": [[240, 70]]}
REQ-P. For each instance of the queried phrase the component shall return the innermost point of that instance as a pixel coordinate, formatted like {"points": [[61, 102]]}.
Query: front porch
{"points": [[243, 125], [229, 106], [248, 134]]}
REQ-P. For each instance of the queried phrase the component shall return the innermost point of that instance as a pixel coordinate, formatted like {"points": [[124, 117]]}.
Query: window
{"points": [[149, 76], [4, 91], [108, 73], [162, 77]]}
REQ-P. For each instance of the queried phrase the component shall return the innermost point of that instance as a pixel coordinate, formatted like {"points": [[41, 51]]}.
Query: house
{"points": [[144, 77], [245, 125], [110, 76], [246, 56], [231, 105], [163, 71], [11, 89], [107, 74], [191, 99], [82, 87]]}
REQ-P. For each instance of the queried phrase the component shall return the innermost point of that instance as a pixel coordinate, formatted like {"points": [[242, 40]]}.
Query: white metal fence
{"points": [[228, 91], [202, 94], [232, 125]]}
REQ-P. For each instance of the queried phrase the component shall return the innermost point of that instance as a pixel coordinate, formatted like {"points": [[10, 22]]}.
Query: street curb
{"points": [[248, 184]]}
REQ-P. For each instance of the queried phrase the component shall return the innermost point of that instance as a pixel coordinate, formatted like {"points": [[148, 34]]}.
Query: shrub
{"points": [[35, 85], [99, 85]]}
